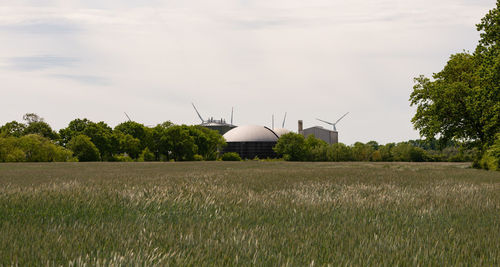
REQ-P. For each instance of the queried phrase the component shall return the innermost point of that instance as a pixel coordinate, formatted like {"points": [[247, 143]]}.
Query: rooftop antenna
{"points": [[284, 119], [201, 118], [334, 124], [273, 123], [127, 116], [232, 109]]}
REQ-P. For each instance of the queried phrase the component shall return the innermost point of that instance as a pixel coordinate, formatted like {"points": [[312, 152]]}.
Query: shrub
{"points": [[122, 158], [83, 148], [231, 156], [407, 152], [491, 158], [32, 148], [292, 147], [146, 155], [15, 155], [376, 156], [339, 152]]}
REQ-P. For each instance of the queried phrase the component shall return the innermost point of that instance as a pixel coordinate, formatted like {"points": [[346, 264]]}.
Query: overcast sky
{"points": [[313, 59]]}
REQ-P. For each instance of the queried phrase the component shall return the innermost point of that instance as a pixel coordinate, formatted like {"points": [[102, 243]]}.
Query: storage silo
{"points": [[281, 131], [251, 141]]}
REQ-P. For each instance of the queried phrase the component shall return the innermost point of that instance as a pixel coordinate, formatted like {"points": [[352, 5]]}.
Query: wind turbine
{"points": [[334, 124], [232, 109], [127, 116], [201, 118], [284, 119]]}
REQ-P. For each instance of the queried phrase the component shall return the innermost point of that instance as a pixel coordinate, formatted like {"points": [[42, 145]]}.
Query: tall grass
{"points": [[248, 213]]}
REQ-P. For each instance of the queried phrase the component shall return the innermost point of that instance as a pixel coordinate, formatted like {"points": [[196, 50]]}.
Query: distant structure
{"points": [[251, 141], [281, 131], [329, 136], [334, 124], [219, 125]]}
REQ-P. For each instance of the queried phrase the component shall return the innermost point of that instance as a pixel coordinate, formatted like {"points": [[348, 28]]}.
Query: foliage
{"points": [[32, 148], [136, 130], [362, 152], [463, 101], [165, 141], [83, 148], [100, 134], [159, 144], [313, 149], [180, 144], [491, 158], [41, 128], [126, 143], [339, 152], [231, 156], [122, 158], [406, 152], [146, 155], [292, 147], [12, 128], [209, 142]]}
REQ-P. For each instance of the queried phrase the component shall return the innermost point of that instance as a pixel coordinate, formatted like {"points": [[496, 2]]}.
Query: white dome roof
{"points": [[281, 131], [251, 133]]}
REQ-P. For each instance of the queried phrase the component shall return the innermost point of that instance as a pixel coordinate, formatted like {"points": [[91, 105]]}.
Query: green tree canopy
{"points": [[292, 147], [32, 148], [462, 102], [13, 128], [136, 130], [126, 143], [180, 144], [209, 142], [100, 134], [83, 148]]}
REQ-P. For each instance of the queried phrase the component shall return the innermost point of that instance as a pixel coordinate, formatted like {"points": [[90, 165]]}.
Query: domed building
{"points": [[251, 141], [281, 131]]}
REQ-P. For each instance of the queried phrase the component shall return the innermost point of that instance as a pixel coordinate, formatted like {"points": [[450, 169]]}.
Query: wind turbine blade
{"points": [[202, 120], [284, 119], [341, 118], [325, 121], [127, 116]]}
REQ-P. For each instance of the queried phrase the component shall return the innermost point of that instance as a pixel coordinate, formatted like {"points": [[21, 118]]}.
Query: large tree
{"points": [[136, 130], [462, 102], [83, 148], [100, 134]]}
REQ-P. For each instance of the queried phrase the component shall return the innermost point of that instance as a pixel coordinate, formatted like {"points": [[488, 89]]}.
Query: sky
{"points": [[97, 59]]}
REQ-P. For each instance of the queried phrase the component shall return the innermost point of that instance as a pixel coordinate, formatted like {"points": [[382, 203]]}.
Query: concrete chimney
{"points": [[301, 127]]}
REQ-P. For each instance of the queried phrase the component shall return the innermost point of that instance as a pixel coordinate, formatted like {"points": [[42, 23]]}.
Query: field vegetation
{"points": [[248, 213]]}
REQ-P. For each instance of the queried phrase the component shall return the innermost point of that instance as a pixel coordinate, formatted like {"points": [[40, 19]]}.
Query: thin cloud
{"points": [[52, 26], [41, 62], [84, 79]]}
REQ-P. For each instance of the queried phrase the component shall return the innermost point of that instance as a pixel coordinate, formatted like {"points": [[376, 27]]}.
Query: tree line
{"points": [[295, 147], [84, 140]]}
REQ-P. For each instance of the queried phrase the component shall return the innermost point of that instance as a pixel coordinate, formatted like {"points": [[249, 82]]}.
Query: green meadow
{"points": [[248, 213]]}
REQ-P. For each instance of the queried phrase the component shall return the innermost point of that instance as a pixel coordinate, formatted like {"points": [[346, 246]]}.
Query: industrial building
{"points": [[329, 136], [251, 141], [218, 125]]}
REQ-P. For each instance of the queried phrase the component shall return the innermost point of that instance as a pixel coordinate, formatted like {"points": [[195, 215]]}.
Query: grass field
{"points": [[248, 213]]}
